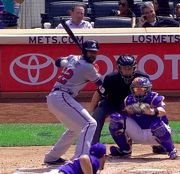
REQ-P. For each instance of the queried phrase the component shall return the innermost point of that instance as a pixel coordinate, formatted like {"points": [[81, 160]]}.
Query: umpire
{"points": [[109, 97]]}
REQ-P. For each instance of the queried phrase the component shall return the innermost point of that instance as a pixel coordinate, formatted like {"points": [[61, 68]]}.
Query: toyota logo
{"points": [[33, 69]]}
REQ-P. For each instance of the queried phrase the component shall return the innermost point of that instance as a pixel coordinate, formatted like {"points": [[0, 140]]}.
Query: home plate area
{"points": [[48, 170], [137, 164]]}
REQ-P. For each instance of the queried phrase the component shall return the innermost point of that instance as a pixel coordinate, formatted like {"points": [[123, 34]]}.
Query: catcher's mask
{"points": [[89, 50], [140, 87], [127, 65]]}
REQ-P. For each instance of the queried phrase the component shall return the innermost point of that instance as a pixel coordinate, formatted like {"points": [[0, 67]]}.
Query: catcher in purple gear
{"points": [[86, 164], [144, 121]]}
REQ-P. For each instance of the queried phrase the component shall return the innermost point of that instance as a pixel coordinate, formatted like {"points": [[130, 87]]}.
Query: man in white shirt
{"points": [[76, 21]]}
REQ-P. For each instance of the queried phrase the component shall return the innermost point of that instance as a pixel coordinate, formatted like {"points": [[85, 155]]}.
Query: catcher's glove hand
{"points": [[139, 108], [133, 109], [146, 109]]}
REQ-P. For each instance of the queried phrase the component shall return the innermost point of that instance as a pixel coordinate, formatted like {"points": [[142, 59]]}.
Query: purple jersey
{"points": [[75, 168], [154, 100]]}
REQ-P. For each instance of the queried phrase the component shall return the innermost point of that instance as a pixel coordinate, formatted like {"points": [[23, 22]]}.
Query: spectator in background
{"points": [[162, 7], [1, 11], [11, 13], [77, 16], [177, 10], [125, 10], [149, 18], [1, 14], [1, 7]]}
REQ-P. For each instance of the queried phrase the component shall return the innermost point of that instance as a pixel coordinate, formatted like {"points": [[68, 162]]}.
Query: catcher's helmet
{"points": [[127, 61], [140, 87], [89, 45]]}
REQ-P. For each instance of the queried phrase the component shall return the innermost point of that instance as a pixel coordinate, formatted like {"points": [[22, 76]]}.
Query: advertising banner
{"points": [[31, 68]]}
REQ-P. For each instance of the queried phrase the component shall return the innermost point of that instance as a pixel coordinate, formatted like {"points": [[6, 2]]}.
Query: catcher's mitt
{"points": [[146, 109], [133, 109], [138, 108]]}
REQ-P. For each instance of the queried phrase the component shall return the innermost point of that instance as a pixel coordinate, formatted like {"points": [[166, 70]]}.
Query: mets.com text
{"points": [[156, 38], [53, 39]]}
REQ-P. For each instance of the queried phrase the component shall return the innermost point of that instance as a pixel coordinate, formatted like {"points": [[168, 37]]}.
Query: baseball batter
{"points": [[78, 72], [144, 121]]}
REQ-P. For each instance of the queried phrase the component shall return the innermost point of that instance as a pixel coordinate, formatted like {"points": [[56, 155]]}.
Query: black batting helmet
{"points": [[126, 60], [129, 61], [89, 45]]}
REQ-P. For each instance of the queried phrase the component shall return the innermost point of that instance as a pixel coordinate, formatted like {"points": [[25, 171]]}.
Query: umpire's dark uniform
{"points": [[113, 92]]}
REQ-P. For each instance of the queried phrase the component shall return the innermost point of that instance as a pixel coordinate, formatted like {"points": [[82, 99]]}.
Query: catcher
{"points": [[144, 121]]}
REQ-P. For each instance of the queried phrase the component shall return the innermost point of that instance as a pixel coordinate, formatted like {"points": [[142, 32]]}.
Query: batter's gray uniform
{"points": [[73, 115]]}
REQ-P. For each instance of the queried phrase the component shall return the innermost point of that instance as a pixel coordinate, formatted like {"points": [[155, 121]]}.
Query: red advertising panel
{"points": [[31, 68]]}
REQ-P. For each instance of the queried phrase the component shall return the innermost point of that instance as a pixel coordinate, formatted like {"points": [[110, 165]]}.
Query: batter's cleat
{"points": [[57, 162], [173, 154], [158, 149], [116, 151]]}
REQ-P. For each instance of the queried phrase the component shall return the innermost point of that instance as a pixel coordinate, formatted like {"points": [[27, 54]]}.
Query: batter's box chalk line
{"points": [[152, 171], [149, 171], [48, 170]]}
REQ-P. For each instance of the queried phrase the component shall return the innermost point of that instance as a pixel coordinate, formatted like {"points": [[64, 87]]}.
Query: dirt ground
{"points": [[21, 160]]}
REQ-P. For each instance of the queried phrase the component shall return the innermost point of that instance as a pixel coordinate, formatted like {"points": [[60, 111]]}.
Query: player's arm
{"points": [[61, 62], [159, 111], [147, 109], [85, 164], [158, 106], [96, 97], [94, 101], [101, 92]]}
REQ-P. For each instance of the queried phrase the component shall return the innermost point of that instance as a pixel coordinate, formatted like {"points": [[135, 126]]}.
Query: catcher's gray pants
{"points": [[139, 135]]}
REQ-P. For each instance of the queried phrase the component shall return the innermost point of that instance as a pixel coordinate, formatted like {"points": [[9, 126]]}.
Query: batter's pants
{"points": [[77, 120]]}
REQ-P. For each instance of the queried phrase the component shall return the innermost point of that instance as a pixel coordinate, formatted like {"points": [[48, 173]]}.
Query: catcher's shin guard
{"points": [[117, 128], [162, 135], [116, 151]]}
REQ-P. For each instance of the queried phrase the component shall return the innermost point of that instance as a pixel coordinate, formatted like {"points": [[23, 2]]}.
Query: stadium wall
{"points": [[27, 57]]}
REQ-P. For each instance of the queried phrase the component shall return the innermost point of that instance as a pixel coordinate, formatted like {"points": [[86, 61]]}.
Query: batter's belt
{"points": [[62, 89]]}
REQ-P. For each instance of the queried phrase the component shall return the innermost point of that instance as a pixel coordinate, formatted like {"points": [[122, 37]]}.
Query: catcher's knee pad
{"points": [[117, 124], [159, 130]]}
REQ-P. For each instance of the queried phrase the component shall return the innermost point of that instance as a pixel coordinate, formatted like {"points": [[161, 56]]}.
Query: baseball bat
{"points": [[70, 33]]}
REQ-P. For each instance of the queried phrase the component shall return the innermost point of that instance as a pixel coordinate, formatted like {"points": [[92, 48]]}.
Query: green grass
{"points": [[47, 134]]}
